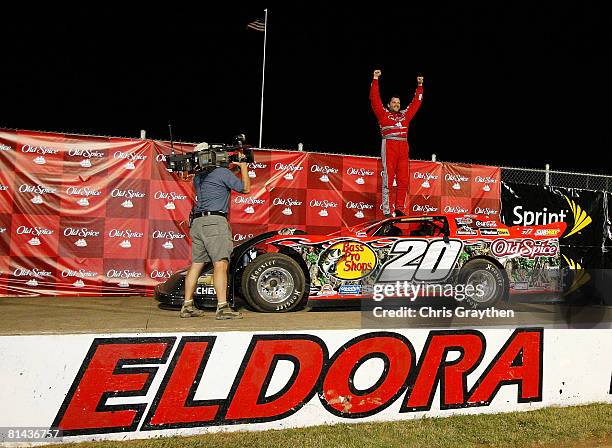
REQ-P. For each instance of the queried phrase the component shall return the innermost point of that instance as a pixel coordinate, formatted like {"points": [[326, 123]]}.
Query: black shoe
{"points": [[387, 215], [399, 213]]}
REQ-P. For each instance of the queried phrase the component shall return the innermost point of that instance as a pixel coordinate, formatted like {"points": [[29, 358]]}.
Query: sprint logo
{"points": [[581, 218]]}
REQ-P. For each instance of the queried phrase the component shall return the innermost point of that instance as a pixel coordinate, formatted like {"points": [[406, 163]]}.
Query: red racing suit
{"points": [[394, 150]]}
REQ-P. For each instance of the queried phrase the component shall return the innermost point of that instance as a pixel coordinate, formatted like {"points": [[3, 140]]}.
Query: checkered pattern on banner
{"points": [[102, 216]]}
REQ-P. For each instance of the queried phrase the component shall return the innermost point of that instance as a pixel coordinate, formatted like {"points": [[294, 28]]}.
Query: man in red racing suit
{"points": [[393, 124]]}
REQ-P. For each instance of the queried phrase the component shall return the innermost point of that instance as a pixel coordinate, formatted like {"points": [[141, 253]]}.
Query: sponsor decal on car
{"points": [[547, 232], [464, 221], [350, 289], [465, 230], [526, 248], [489, 232], [348, 260]]}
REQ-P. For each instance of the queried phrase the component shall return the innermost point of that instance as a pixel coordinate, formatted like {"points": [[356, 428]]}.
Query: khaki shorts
{"points": [[211, 239]]}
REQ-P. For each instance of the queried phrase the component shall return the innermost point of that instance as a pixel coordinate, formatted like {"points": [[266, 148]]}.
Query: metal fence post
{"points": [[547, 175]]}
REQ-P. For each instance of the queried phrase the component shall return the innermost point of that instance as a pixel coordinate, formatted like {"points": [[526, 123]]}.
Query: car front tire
{"points": [[274, 283]]}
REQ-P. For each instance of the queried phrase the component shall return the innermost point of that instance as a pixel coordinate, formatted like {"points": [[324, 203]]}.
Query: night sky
{"points": [[517, 85]]}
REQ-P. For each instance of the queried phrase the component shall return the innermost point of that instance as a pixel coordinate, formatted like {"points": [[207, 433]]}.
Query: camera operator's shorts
{"points": [[211, 239]]}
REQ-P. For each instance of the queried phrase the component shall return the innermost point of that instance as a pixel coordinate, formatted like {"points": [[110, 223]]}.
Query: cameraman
{"points": [[211, 235]]}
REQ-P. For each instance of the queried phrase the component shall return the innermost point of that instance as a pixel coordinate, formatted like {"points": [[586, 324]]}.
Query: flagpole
{"points": [[263, 77]]}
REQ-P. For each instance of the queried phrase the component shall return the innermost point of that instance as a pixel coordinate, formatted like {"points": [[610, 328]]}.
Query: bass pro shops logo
{"points": [[142, 373], [348, 260], [543, 217]]}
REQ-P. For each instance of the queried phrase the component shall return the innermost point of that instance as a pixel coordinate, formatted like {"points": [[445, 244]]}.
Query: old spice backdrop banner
{"points": [[97, 216]]}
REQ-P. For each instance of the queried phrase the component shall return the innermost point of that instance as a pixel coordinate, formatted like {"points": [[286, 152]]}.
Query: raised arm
{"points": [[416, 101], [375, 101]]}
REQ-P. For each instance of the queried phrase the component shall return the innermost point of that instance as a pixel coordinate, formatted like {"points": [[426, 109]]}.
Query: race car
{"points": [[285, 270]]}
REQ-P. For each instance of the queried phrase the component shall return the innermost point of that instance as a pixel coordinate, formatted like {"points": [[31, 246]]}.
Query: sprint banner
{"points": [[584, 211]]}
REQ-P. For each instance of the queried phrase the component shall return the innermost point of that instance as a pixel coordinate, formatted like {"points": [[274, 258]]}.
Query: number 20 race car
{"points": [[286, 270]]}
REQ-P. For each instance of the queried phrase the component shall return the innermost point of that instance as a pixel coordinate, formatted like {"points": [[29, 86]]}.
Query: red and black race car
{"points": [[288, 269]]}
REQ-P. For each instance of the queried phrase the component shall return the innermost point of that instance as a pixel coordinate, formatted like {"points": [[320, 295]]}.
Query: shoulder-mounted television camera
{"points": [[207, 155]]}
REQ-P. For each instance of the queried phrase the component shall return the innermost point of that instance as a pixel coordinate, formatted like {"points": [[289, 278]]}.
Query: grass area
{"points": [[580, 426]]}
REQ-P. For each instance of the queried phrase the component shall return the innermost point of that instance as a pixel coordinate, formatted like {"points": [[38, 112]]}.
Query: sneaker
{"points": [[190, 311], [387, 215], [399, 213], [225, 313]]}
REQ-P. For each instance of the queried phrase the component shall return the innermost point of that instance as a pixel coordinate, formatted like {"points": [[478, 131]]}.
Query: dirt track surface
{"points": [[68, 315]]}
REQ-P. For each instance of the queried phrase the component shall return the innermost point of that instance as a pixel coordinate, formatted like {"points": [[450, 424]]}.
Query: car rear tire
{"points": [[489, 282], [274, 283]]}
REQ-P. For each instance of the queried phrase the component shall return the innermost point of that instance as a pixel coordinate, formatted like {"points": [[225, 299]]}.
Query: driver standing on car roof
{"points": [[394, 122], [211, 235]]}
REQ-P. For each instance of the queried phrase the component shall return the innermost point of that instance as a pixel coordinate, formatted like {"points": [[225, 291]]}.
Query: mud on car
{"points": [[286, 270]]}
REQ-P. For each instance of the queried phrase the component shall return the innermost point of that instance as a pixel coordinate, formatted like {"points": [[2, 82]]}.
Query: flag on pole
{"points": [[257, 25]]}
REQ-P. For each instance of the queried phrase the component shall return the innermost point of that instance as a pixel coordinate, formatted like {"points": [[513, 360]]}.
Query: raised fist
{"points": [[419, 80], [377, 74]]}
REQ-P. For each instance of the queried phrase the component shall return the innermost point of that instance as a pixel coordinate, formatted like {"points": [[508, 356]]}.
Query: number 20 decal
{"points": [[420, 260]]}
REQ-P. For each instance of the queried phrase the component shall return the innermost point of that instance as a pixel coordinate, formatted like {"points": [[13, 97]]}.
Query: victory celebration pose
{"points": [[394, 152]]}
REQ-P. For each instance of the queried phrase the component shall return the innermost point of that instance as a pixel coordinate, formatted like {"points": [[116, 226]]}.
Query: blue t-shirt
{"points": [[213, 190]]}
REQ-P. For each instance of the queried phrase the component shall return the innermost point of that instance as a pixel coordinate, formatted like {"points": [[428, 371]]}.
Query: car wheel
{"points": [[489, 283], [274, 283]]}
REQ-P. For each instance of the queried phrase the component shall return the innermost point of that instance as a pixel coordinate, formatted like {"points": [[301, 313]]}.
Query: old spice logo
{"points": [[257, 165], [425, 176], [424, 208], [485, 180], [86, 153], [2, 229], [116, 233], [81, 273], [160, 158], [287, 167], [241, 237], [485, 211], [456, 178], [37, 231], [455, 209], [82, 191], [289, 202], [155, 274], [42, 150], [130, 194], [173, 196], [525, 248], [359, 172], [36, 189], [358, 205], [248, 200], [128, 156], [323, 169], [324, 203], [168, 235], [3, 147], [3, 187], [126, 273], [35, 272], [83, 232]]}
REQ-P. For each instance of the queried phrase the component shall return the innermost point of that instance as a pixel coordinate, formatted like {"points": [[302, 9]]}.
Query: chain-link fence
{"points": [[557, 178], [546, 176]]}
